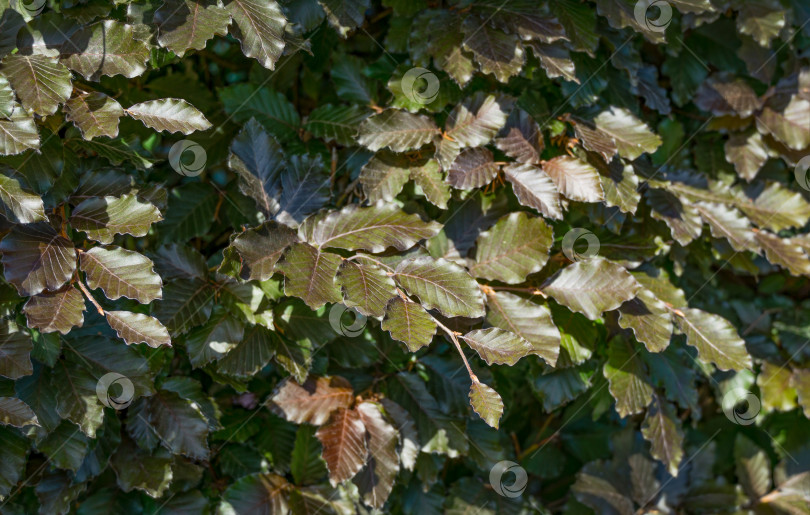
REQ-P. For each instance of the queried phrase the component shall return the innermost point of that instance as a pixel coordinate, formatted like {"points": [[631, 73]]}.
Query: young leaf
{"points": [[662, 428], [259, 26], [627, 377], [18, 205], [310, 274], [441, 285], [41, 83], [409, 323], [533, 188], [530, 321], [575, 179], [472, 168], [649, 319], [105, 48], [188, 25], [397, 130], [260, 248], [631, 135], [95, 114]]}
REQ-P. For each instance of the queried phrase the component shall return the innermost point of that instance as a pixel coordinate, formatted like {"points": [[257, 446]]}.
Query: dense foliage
{"points": [[423, 256]]}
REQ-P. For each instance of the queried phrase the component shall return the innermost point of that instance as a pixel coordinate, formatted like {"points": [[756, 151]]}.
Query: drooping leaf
{"points": [[60, 311], [476, 121], [14, 412], [138, 328], [259, 26], [662, 428], [649, 319], [515, 247], [104, 217], [169, 114], [384, 176], [495, 51], [530, 321], [472, 168], [41, 83], [18, 133], [261, 247], [442, 285], [376, 480], [592, 287], [121, 273], [343, 439], [627, 377], [487, 403], [35, 258], [431, 181], [631, 135], [575, 179], [409, 323], [715, 339], [784, 252]]}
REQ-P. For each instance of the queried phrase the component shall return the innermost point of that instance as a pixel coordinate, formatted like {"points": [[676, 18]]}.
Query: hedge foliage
{"points": [[416, 256]]}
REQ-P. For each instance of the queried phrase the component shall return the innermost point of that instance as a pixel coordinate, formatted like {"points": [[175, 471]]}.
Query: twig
{"points": [[453, 337], [90, 298]]}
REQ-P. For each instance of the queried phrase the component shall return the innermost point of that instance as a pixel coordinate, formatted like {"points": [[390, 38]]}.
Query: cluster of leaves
{"points": [[365, 298]]}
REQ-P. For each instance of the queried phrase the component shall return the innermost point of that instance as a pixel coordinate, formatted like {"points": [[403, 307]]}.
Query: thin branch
{"points": [[453, 336], [90, 298]]}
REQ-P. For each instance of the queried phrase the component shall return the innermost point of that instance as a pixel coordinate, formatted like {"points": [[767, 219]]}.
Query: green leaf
{"points": [[41, 83], [533, 188], [104, 217], [790, 125], [105, 48], [384, 176], [77, 397], [121, 273], [306, 464], [138, 328], [442, 285], [51, 312], [175, 261], [397, 130], [495, 51], [631, 135], [727, 222], [36, 258], [95, 114], [784, 252], [251, 354], [271, 109], [169, 114], [374, 228], [188, 25], [747, 152], [179, 424], [310, 274], [345, 15], [592, 287], [65, 447], [530, 321], [662, 428], [486, 402], [18, 133], [753, 467], [409, 323], [496, 346], [259, 26], [215, 339], [365, 287], [649, 319], [261, 493], [336, 123], [15, 349], [14, 454], [313, 401], [137, 469], [627, 377], [190, 212], [18, 205], [515, 247], [715, 339], [185, 304]]}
